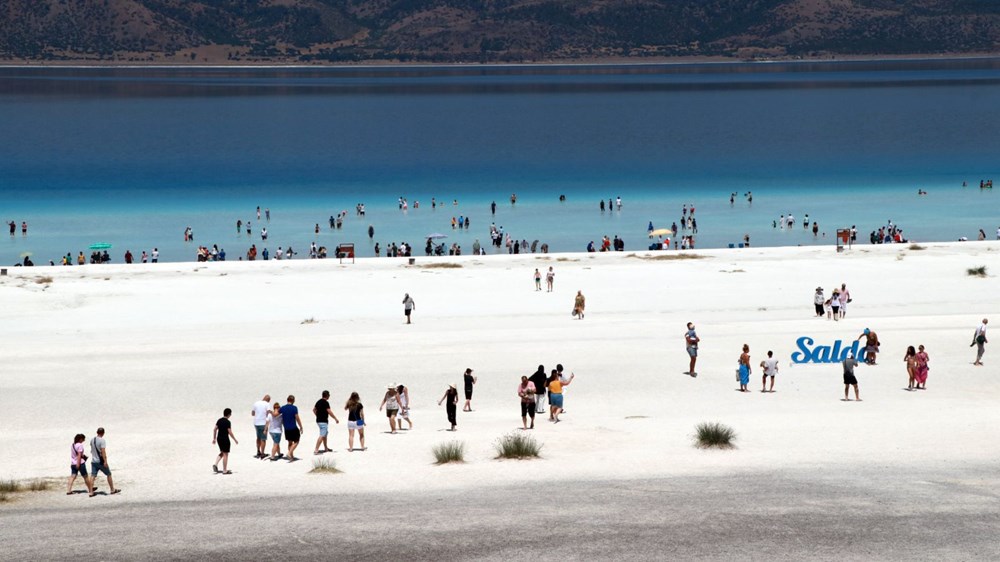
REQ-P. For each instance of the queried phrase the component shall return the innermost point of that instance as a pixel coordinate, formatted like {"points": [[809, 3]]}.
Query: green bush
{"points": [[453, 451], [714, 435], [517, 446]]}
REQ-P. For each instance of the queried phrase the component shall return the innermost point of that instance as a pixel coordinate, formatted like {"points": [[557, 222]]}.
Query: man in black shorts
{"points": [[293, 426]]}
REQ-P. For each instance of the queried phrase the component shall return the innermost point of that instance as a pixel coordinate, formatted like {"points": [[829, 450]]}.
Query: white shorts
{"points": [[353, 425]]}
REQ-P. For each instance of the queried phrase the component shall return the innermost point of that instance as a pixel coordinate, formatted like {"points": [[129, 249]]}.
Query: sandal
{"points": [[215, 469], [228, 472], [116, 491]]}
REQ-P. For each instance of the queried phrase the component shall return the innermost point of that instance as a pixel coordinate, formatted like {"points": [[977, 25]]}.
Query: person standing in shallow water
{"points": [[451, 407]]}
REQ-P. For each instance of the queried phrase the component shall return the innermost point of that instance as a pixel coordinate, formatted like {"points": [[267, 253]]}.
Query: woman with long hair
{"points": [[274, 427], [745, 369], [911, 366], [554, 384], [355, 421], [921, 369], [78, 465]]}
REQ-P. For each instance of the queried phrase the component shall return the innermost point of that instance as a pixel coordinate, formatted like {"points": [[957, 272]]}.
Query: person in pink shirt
{"points": [[78, 465], [526, 392]]}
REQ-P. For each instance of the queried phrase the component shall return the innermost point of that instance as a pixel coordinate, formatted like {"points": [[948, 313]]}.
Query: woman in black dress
{"points": [[221, 435], [451, 396]]}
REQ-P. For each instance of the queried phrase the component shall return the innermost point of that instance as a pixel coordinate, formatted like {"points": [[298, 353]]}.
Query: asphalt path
{"points": [[772, 516]]}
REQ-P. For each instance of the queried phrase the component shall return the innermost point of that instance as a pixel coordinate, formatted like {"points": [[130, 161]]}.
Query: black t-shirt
{"points": [[468, 383], [354, 414], [539, 379], [223, 424], [322, 411]]}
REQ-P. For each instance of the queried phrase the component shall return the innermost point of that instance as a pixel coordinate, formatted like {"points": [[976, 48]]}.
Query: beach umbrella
{"points": [[435, 235], [99, 246], [661, 232]]}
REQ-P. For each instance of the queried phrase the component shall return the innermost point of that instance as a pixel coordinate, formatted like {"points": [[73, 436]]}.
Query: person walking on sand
{"points": [[539, 380], [538, 280], [845, 297], [78, 465], [579, 304], [451, 407], [221, 434], [911, 366], [403, 395], [526, 392], [408, 306], [871, 345], [274, 425], [550, 278], [849, 379], [979, 340], [744, 370], [470, 381], [691, 340], [355, 421], [391, 404], [555, 386], [259, 413], [819, 300], [293, 426], [99, 461], [323, 414], [565, 382], [770, 368], [922, 368], [835, 304]]}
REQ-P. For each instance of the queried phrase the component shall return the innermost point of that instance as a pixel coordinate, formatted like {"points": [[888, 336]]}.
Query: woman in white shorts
{"points": [[403, 397], [274, 426], [355, 421]]}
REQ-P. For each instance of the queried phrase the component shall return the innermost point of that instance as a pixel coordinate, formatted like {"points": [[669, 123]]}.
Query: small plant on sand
{"points": [[324, 466], [714, 435], [9, 486], [39, 485], [4, 497], [977, 271], [44, 280], [310, 321], [517, 446], [453, 451], [917, 247], [441, 265]]}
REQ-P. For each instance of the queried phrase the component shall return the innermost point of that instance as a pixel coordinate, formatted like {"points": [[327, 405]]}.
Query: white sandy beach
{"points": [[155, 352]]}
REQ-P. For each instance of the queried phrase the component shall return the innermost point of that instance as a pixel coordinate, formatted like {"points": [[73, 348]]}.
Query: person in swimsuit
{"points": [[871, 345], [550, 277], [469, 382], [221, 434], [355, 421], [745, 369], [911, 366], [538, 280], [451, 395], [391, 404]]}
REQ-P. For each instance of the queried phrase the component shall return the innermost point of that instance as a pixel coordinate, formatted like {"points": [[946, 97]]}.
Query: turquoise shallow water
{"points": [[133, 156]]}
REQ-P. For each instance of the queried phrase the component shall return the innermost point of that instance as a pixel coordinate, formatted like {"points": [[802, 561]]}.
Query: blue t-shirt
{"points": [[288, 413]]}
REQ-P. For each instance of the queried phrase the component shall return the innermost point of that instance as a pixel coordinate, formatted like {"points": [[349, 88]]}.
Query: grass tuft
{"points": [[917, 247], [310, 321], [441, 265], [517, 446], [714, 435], [977, 271], [39, 485], [4, 498], [453, 451], [9, 486], [43, 280], [324, 466]]}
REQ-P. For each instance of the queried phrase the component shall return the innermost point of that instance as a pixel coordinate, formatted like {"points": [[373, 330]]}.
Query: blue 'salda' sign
{"points": [[824, 353]]}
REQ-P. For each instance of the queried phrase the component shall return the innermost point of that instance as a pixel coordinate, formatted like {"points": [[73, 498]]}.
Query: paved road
{"points": [[765, 516]]}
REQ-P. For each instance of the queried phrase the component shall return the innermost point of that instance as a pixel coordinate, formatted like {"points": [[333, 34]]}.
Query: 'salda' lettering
{"points": [[824, 353]]}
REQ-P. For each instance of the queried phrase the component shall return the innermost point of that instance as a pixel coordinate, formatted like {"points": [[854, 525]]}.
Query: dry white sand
{"points": [[155, 352]]}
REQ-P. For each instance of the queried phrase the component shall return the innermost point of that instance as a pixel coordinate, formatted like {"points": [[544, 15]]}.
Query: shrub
{"points": [[43, 280], [714, 435], [517, 446], [39, 485], [9, 486], [325, 466], [916, 247], [453, 451], [977, 271]]}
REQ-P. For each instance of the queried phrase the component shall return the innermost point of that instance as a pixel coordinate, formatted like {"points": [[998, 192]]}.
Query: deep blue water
{"points": [[132, 156]]}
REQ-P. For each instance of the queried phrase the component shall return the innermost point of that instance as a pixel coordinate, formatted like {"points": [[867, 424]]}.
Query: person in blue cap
{"points": [[871, 345]]}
